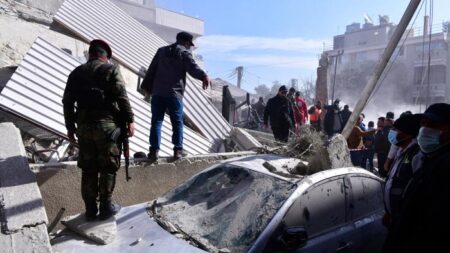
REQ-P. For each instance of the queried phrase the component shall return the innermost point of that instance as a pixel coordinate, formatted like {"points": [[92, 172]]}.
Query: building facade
{"points": [[407, 77]]}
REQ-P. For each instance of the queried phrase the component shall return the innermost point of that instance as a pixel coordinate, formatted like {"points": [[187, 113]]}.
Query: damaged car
{"points": [[244, 205]]}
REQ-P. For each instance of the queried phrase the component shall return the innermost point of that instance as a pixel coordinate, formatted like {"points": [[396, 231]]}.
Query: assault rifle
{"points": [[120, 136]]}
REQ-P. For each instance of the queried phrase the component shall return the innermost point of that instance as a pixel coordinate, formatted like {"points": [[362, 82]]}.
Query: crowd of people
{"points": [[412, 155]]}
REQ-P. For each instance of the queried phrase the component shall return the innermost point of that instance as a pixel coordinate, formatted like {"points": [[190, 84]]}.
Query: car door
{"points": [[321, 210], [366, 212]]}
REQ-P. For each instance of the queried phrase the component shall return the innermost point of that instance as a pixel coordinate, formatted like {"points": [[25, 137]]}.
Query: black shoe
{"points": [[153, 155], [107, 210], [177, 154]]}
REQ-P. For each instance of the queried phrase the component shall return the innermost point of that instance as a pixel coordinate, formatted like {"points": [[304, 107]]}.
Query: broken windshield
{"points": [[224, 208]]}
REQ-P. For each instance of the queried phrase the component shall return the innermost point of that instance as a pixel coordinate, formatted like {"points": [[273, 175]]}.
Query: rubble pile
{"points": [[316, 152]]}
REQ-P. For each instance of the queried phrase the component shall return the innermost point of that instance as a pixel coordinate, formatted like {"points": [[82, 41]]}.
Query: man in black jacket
{"points": [[424, 214], [279, 111], [403, 135], [165, 81]]}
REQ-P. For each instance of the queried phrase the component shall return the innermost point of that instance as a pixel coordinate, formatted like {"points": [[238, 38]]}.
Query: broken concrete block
{"points": [[103, 232], [21, 200], [284, 167], [243, 139], [30, 239], [338, 152]]}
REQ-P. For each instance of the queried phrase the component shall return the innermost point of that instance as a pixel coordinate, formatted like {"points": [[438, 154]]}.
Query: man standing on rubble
{"points": [[279, 111], [165, 81], [98, 90]]}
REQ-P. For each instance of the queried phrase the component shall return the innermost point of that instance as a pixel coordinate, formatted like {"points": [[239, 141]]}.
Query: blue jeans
{"points": [[175, 107], [368, 154]]}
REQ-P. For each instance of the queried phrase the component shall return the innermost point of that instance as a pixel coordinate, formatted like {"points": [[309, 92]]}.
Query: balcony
{"points": [[436, 90]]}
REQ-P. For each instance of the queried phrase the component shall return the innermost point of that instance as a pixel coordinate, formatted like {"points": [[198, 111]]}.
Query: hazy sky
{"points": [[281, 39]]}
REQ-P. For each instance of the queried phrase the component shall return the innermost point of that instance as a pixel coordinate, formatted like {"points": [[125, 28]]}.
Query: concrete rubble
{"points": [[103, 232], [22, 215]]}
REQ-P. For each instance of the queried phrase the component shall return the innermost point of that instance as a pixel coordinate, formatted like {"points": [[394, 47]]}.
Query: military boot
{"points": [[91, 209], [108, 209]]}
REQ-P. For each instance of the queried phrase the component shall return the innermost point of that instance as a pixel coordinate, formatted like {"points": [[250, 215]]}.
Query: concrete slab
{"points": [[338, 152], [22, 204], [31, 239], [103, 232]]}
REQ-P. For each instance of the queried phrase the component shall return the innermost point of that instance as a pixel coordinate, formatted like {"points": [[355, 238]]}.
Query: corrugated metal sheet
{"points": [[134, 46], [35, 92]]}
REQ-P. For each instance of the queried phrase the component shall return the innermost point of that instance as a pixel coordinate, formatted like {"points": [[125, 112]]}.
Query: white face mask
{"points": [[429, 139]]}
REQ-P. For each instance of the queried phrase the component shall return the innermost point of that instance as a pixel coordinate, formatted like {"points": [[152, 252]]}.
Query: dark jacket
{"points": [[328, 123], [279, 111], [98, 91], [166, 75], [399, 179], [424, 215], [346, 115], [381, 142]]}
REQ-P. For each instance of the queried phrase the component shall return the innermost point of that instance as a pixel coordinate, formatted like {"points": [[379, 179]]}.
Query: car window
{"points": [[367, 196], [320, 208]]}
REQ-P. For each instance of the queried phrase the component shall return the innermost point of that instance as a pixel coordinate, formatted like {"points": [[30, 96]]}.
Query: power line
{"points": [[387, 71]]}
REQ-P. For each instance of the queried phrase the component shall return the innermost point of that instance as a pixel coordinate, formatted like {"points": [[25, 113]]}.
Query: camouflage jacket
{"points": [[95, 92]]}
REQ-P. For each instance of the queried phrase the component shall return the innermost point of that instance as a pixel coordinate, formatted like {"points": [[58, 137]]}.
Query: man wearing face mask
{"points": [[425, 211], [165, 81], [403, 136]]}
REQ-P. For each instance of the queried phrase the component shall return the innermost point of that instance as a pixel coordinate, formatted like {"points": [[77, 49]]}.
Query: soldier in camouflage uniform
{"points": [[95, 102]]}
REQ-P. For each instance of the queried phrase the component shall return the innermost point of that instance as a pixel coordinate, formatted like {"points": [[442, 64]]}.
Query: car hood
{"points": [[136, 232]]}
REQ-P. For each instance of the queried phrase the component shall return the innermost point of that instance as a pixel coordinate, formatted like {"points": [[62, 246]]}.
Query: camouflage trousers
{"points": [[99, 159]]}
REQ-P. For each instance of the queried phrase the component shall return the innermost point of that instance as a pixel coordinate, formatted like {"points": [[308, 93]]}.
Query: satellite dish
{"points": [[367, 19]]}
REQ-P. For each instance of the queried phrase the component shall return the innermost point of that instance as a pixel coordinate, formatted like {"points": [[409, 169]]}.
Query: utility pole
{"points": [[240, 73], [388, 51], [340, 52]]}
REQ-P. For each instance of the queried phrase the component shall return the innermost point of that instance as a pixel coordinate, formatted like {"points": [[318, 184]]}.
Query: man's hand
{"points": [[71, 135], [130, 129], [206, 82]]}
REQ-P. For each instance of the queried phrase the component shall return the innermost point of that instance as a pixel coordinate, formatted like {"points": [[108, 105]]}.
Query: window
{"points": [[437, 74], [367, 196], [319, 209]]}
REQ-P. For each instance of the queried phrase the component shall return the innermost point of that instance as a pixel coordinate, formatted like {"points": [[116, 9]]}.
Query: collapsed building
{"points": [[39, 50]]}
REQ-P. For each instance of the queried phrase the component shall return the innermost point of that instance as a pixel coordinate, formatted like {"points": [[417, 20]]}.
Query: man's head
{"points": [[336, 105], [261, 99], [291, 91], [390, 115], [319, 104], [359, 120], [185, 39], [435, 127], [380, 122], [282, 91], [99, 49], [298, 94], [346, 108], [371, 124], [388, 122], [406, 129]]}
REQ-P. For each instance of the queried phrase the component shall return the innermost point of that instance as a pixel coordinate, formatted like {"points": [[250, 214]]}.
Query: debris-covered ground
{"points": [[314, 149]]}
